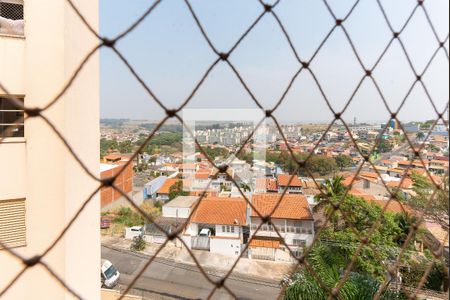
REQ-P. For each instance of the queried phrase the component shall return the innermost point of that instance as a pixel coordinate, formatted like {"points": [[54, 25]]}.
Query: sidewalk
{"points": [[263, 270]]}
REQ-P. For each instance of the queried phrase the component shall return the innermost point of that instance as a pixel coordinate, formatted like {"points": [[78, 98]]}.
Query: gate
{"points": [[263, 253], [200, 243]]}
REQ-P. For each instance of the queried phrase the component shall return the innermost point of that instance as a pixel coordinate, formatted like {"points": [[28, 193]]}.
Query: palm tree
{"points": [[405, 222], [333, 188]]}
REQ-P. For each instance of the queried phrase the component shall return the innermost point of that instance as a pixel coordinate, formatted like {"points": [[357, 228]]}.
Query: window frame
{"points": [[13, 138], [13, 34], [299, 242]]}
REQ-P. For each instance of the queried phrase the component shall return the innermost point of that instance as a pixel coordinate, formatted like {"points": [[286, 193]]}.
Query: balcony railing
{"points": [[282, 229]]}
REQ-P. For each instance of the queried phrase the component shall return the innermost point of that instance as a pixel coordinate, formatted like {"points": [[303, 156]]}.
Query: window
{"points": [[301, 243], [11, 9], [227, 228], [9, 115], [297, 252], [12, 223], [11, 17]]}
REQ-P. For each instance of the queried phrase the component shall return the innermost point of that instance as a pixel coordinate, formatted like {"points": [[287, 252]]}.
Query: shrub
{"points": [[128, 217], [138, 244]]}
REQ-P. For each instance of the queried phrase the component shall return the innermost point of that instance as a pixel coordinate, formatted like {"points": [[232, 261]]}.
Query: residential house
{"points": [[152, 187], [163, 193], [393, 206], [293, 220], [294, 187], [266, 185], [389, 163], [222, 222], [180, 207], [439, 167], [174, 216], [396, 172]]}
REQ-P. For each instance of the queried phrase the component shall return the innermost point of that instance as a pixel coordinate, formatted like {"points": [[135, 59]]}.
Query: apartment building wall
{"points": [[38, 167]]}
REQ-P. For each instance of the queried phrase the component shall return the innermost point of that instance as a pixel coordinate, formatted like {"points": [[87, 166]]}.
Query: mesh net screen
{"points": [[364, 242]]}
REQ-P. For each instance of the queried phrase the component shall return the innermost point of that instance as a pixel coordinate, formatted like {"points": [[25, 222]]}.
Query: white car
{"points": [[205, 232], [109, 274]]}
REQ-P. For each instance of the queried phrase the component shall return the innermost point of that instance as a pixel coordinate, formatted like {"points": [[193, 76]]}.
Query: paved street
{"points": [[165, 279]]}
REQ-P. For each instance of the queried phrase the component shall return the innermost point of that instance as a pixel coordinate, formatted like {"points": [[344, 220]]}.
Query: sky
{"points": [[169, 53]]}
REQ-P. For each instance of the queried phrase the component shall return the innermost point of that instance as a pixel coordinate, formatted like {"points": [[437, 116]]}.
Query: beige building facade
{"points": [[41, 184]]}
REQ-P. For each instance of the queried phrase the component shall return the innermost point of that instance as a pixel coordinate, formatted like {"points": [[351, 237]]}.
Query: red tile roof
{"points": [[268, 184], [394, 206], [291, 206], [361, 194], [165, 188], [283, 180], [216, 210], [310, 184], [406, 184], [202, 175], [348, 180]]}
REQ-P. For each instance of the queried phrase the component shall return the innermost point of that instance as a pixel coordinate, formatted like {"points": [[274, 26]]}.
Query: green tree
{"points": [[359, 215], [429, 200], [167, 138], [329, 268], [177, 190], [343, 161], [215, 152], [322, 164], [420, 135], [125, 147], [106, 145], [383, 146], [333, 190]]}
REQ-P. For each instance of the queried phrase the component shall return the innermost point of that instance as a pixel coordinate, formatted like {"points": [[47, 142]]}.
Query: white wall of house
{"points": [[225, 231], [187, 240], [162, 197], [176, 212], [290, 190], [225, 246], [192, 229]]}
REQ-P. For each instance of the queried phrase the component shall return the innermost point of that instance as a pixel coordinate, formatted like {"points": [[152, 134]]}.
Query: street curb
{"points": [[194, 267]]}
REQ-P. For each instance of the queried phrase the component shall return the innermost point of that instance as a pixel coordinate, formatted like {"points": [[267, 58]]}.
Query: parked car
{"points": [[205, 232], [105, 222], [109, 274]]}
